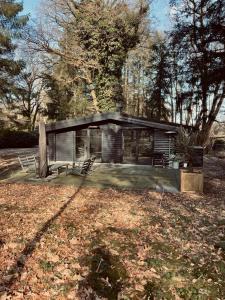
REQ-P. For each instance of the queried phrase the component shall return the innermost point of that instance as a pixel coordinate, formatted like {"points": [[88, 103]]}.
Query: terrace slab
{"points": [[134, 177]]}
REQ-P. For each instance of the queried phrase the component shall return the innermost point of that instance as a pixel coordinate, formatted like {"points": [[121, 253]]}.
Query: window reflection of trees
{"points": [[138, 144], [88, 143]]}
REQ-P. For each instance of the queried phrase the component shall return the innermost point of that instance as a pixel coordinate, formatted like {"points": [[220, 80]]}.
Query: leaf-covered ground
{"points": [[82, 243]]}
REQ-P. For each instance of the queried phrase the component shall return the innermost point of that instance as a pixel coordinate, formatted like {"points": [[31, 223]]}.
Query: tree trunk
{"points": [[95, 101], [43, 163], [34, 118]]}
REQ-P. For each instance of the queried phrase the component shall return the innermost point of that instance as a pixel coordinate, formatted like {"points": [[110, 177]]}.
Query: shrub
{"points": [[17, 139]]}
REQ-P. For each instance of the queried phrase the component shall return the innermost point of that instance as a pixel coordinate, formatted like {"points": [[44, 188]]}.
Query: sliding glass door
{"points": [[88, 143]]}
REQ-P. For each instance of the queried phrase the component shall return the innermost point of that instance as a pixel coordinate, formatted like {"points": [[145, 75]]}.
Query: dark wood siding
{"points": [[118, 146], [65, 146], [162, 142], [112, 142], [51, 146]]}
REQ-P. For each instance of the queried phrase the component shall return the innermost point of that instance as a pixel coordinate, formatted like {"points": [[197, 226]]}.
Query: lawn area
{"points": [[64, 242]]}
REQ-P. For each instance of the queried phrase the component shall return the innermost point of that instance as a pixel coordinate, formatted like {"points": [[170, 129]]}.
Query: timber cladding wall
{"points": [[62, 146], [65, 146], [163, 142], [112, 143], [75, 139], [107, 142], [51, 147]]}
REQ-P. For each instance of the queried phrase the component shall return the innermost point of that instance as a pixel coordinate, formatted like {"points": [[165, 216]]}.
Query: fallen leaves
{"points": [[165, 242]]}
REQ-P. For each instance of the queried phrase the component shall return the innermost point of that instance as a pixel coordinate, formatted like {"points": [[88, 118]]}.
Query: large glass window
{"points": [[81, 145], [138, 145], [96, 143], [88, 144]]}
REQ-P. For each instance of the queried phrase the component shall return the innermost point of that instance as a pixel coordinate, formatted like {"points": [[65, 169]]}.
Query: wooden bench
{"points": [[58, 166]]}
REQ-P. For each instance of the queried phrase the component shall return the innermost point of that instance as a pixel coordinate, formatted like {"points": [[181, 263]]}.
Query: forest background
{"points": [[74, 58]]}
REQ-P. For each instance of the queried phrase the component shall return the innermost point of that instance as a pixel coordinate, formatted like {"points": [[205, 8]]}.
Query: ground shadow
{"points": [[106, 277], [128, 178], [15, 271]]}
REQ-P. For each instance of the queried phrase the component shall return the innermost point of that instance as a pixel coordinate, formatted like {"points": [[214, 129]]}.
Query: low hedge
{"points": [[17, 139]]}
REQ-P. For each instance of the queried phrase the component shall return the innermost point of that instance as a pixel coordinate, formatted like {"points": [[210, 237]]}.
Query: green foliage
{"points": [[67, 100], [17, 139], [99, 35], [108, 91], [60, 97], [46, 265], [10, 25]]}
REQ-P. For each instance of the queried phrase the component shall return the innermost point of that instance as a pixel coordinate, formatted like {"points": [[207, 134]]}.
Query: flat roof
{"points": [[111, 117]]}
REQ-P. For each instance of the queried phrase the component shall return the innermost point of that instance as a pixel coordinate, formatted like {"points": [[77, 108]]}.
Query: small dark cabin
{"points": [[111, 137]]}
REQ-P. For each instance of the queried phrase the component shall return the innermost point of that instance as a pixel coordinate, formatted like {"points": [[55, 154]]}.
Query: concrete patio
{"points": [[133, 177]]}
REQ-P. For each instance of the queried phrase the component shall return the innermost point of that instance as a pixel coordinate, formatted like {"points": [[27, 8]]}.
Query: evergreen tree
{"points": [[67, 98], [11, 24], [159, 73]]}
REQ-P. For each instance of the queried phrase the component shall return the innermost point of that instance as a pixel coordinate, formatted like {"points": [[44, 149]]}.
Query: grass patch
{"points": [[154, 290], [154, 262], [70, 229], [46, 265], [123, 247]]}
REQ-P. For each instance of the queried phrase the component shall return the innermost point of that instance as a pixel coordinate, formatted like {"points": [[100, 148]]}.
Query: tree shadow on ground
{"points": [[106, 276], [15, 271]]}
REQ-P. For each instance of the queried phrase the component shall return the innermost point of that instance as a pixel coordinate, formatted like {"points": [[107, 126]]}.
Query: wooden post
{"points": [[43, 162], [88, 144]]}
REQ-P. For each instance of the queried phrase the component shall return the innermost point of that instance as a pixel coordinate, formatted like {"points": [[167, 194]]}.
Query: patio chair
{"points": [[28, 163], [158, 159], [85, 169], [92, 160]]}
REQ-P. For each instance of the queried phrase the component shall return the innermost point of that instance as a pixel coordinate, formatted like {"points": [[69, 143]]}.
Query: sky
{"points": [[159, 12]]}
